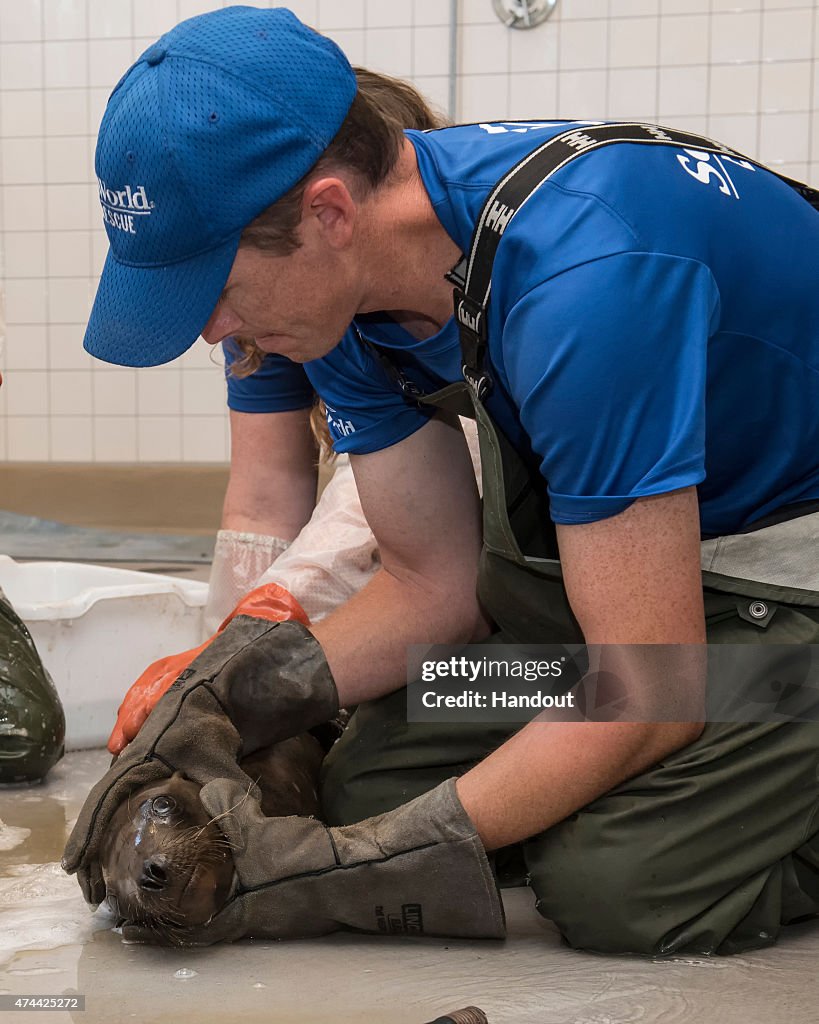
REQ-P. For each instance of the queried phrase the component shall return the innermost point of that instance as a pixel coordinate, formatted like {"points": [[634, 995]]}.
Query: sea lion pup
{"points": [[167, 866]]}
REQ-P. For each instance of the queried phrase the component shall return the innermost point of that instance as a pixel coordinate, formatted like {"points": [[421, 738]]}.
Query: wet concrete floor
{"points": [[51, 944]]}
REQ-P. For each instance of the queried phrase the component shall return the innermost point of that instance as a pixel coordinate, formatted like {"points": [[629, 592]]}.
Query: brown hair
{"points": [[368, 143]]}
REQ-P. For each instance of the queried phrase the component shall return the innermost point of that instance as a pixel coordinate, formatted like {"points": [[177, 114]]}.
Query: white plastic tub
{"points": [[97, 628]]}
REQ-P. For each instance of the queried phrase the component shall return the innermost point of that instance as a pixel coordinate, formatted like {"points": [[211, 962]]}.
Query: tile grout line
{"points": [[89, 254], [46, 257]]}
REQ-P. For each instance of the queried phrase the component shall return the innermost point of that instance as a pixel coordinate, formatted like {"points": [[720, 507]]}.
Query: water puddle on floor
{"points": [[52, 944]]}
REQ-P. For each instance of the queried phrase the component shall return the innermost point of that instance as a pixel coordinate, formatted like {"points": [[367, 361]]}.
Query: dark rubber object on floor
{"points": [[469, 1015], [32, 722]]}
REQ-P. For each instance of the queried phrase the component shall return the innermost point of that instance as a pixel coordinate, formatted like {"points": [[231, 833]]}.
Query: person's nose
{"points": [[222, 324]]}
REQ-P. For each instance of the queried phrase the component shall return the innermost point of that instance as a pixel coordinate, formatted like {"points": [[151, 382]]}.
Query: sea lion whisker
{"points": [[169, 931], [172, 922], [210, 848], [209, 854], [230, 810], [213, 858], [224, 842], [163, 910], [161, 933], [218, 838], [162, 926], [171, 841], [170, 925]]}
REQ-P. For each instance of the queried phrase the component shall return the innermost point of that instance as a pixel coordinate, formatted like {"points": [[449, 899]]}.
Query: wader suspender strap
{"points": [[472, 277]]}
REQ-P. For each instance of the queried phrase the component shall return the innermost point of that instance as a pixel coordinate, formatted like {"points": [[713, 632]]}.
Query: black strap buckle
{"points": [[471, 316], [457, 275], [409, 388], [471, 319], [480, 383]]}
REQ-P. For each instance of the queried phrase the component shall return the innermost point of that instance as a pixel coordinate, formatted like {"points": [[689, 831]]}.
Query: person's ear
{"points": [[329, 206]]}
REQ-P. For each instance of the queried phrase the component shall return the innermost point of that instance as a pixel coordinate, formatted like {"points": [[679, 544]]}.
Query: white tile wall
{"points": [[159, 438], [115, 438], [743, 71], [114, 392], [70, 438]]}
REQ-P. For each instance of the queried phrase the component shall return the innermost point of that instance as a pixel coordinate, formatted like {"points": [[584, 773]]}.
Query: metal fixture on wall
{"points": [[523, 13]]}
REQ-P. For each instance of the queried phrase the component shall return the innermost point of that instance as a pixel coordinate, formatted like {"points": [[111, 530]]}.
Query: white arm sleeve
{"points": [[334, 555], [239, 559]]}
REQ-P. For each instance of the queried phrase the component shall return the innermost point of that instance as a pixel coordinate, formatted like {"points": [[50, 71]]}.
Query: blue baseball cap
{"points": [[216, 121]]}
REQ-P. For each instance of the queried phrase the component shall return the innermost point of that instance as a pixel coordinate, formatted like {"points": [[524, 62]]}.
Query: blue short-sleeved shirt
{"points": [[654, 324], [278, 385]]}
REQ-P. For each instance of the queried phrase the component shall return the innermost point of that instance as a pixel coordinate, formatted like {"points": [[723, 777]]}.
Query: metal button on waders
{"points": [[756, 611]]}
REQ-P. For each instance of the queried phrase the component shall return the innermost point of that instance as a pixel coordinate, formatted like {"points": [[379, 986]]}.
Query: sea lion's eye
{"points": [[163, 805]]}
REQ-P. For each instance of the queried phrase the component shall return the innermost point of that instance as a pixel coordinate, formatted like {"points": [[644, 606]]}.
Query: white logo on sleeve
{"points": [[338, 427], [522, 127], [119, 208]]}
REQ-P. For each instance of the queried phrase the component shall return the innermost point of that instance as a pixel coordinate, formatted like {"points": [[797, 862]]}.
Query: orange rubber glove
{"points": [[270, 602]]}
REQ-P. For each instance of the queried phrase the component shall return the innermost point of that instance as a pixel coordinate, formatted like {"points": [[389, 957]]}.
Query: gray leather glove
{"points": [[258, 682], [418, 870]]}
